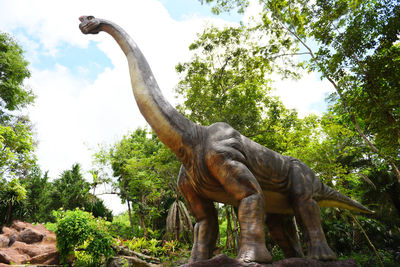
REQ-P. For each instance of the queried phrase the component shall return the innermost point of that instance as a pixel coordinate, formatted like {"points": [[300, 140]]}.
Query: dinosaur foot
{"points": [[199, 256], [254, 253], [321, 251]]}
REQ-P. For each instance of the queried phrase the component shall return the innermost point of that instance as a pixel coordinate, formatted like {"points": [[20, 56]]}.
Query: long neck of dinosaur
{"points": [[170, 126]]}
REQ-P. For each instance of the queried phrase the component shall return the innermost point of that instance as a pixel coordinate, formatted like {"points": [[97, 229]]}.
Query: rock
{"points": [[14, 256], [12, 238], [224, 261], [46, 258], [30, 236], [19, 226], [7, 231], [32, 250], [4, 241], [300, 262], [28, 243], [4, 258]]}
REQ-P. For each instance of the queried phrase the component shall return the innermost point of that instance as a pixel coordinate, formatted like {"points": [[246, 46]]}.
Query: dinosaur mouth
{"points": [[89, 25]]}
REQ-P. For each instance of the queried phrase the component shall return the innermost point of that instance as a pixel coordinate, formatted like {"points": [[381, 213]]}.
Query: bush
{"points": [[167, 251], [98, 209], [82, 239], [120, 227]]}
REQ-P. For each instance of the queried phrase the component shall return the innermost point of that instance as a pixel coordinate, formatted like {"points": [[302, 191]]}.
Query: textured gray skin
{"points": [[221, 165]]}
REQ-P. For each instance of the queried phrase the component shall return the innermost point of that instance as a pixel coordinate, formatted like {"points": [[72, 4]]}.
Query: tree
{"points": [[38, 196], [10, 196], [13, 71], [85, 238], [179, 224], [333, 146], [226, 80], [70, 190], [16, 142], [146, 172], [354, 45]]}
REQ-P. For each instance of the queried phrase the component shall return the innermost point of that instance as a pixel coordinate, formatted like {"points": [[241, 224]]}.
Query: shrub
{"points": [[82, 239], [98, 209]]}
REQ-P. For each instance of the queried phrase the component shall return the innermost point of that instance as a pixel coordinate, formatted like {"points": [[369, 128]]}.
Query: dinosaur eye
{"points": [[90, 17]]}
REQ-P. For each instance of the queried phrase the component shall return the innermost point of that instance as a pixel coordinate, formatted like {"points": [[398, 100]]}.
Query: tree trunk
{"points": [[236, 229], [142, 224], [130, 216], [177, 221], [394, 192], [8, 216], [230, 241]]}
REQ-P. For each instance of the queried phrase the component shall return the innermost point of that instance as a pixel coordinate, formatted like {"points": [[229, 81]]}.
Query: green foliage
{"points": [[146, 174], [341, 230], [82, 236], [226, 80], [38, 202], [120, 227], [227, 5], [96, 207], [179, 223], [13, 71], [16, 146], [355, 147], [277, 254], [152, 246], [353, 44], [12, 195], [16, 142], [157, 248], [70, 190]]}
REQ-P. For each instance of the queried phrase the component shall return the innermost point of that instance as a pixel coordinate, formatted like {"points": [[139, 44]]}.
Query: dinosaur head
{"points": [[89, 25]]}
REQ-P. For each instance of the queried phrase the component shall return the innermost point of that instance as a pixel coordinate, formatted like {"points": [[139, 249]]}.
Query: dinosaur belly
{"points": [[277, 203], [220, 196], [274, 202]]}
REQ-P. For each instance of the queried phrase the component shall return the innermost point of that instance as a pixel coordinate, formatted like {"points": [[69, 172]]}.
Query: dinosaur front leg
{"points": [[204, 237], [238, 182], [206, 227], [283, 231]]}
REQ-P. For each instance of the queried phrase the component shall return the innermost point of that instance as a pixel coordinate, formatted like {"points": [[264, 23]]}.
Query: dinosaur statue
{"points": [[221, 165]]}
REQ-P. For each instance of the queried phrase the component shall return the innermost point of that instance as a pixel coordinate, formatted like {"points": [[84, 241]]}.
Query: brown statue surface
{"points": [[221, 165]]}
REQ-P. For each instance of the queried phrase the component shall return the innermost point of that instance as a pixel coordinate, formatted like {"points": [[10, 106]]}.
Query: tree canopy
{"points": [[352, 44], [16, 141]]}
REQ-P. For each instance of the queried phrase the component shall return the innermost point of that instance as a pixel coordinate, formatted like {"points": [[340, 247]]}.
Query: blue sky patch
{"points": [[182, 9], [85, 63], [320, 106]]}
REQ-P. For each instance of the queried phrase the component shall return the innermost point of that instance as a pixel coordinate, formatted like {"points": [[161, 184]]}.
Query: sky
{"points": [[81, 82]]}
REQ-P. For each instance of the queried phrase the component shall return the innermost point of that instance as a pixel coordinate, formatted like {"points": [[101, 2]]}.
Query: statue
{"points": [[221, 165]]}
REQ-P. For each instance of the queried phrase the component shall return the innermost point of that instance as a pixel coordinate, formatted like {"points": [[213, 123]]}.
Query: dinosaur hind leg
{"points": [[307, 213], [283, 231]]}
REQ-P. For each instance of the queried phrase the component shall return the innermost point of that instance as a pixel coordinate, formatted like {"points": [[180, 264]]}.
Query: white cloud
{"points": [[72, 114], [305, 94]]}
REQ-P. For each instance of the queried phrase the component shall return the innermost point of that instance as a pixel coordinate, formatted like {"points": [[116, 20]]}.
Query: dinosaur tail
{"points": [[329, 197]]}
